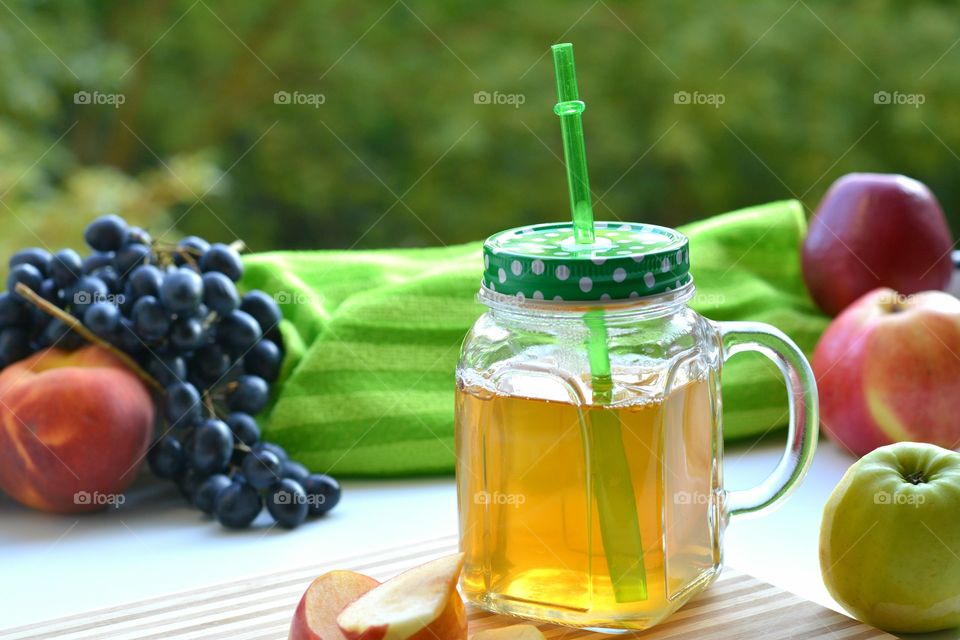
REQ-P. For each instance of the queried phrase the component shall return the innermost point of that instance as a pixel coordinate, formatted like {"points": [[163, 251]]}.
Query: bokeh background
{"points": [[316, 124]]}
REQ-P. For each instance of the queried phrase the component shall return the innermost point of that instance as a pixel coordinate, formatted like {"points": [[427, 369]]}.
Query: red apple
{"points": [[888, 370], [74, 428], [875, 230], [419, 604], [316, 615]]}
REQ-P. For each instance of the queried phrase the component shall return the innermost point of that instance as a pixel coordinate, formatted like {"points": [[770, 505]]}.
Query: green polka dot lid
{"points": [[626, 260]]}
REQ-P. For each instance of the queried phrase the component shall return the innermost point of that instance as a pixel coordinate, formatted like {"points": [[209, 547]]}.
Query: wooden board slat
{"points": [[735, 607]]}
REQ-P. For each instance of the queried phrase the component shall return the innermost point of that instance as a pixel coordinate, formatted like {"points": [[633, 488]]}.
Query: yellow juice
{"points": [[530, 523]]}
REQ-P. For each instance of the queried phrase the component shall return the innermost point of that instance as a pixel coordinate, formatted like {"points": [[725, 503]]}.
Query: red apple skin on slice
{"points": [[419, 604], [316, 615]]}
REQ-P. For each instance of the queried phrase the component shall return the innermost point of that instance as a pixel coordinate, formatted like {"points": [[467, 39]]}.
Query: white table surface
{"points": [[51, 566]]}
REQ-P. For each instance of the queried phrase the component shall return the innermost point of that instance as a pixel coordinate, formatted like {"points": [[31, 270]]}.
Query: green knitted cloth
{"points": [[373, 339]]}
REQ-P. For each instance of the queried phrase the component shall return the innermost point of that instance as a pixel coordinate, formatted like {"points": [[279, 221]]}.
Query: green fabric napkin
{"points": [[373, 339]]}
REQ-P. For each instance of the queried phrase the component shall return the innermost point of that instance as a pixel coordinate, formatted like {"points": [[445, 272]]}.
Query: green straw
{"points": [[610, 476], [569, 109]]}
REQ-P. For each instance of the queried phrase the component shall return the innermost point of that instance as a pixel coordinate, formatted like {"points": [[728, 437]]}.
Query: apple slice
{"points": [[516, 632], [419, 604], [316, 615]]}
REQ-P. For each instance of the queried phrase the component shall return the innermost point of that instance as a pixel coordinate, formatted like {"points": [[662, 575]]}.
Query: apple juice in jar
{"points": [[531, 534], [593, 496]]}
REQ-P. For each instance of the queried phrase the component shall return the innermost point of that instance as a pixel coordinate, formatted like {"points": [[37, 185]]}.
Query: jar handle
{"points": [[737, 337]]}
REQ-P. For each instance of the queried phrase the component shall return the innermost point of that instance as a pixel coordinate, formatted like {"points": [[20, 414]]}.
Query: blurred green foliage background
{"points": [[379, 137]]}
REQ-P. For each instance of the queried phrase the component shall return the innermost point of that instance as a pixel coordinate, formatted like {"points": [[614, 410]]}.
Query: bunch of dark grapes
{"points": [[176, 312]]}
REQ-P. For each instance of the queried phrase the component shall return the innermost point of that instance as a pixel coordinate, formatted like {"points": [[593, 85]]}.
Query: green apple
{"points": [[890, 538]]}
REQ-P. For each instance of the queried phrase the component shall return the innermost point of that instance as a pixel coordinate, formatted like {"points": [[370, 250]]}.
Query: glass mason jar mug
{"points": [[589, 437]]}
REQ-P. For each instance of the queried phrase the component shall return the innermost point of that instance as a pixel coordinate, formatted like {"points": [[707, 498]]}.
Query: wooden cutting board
{"points": [[737, 606]]}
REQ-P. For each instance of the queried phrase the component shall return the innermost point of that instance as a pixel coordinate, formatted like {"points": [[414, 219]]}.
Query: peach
{"points": [[74, 429]]}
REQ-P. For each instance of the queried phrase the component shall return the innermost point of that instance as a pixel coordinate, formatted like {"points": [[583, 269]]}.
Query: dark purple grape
{"points": [[219, 293], [194, 247], [110, 277], [248, 395], [96, 260], [182, 404], [39, 258], [151, 320], [106, 233], [275, 449], [53, 294], [129, 257], [263, 360], [238, 505], [189, 482], [166, 458], [86, 291], [223, 258], [264, 310], [294, 470], [238, 332], [186, 334], [244, 428], [205, 497], [210, 363], [102, 318], [323, 493], [212, 446], [137, 234], [65, 267], [37, 323], [144, 280], [166, 368], [27, 274], [59, 335], [287, 503], [261, 468], [13, 311], [181, 291], [126, 338], [14, 345]]}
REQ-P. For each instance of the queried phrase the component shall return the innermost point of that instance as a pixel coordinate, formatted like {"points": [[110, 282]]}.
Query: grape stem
{"points": [[190, 254], [208, 403], [51, 309]]}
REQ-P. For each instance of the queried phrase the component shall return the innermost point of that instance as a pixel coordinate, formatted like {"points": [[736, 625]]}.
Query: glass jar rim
{"points": [[641, 306]]}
